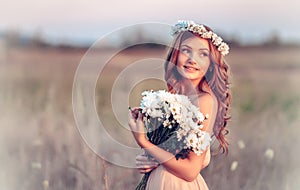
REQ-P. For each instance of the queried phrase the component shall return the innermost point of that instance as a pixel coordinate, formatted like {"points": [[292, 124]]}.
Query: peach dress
{"points": [[161, 179]]}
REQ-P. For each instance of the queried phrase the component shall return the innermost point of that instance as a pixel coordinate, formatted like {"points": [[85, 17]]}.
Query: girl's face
{"points": [[193, 59]]}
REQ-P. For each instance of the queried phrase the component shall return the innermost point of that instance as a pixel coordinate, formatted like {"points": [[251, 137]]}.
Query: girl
{"points": [[195, 67]]}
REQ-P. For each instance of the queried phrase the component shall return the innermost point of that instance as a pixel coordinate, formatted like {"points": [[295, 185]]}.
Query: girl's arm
{"points": [[188, 168], [145, 164]]}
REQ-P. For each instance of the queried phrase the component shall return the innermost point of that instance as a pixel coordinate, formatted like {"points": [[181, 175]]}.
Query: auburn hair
{"points": [[216, 77]]}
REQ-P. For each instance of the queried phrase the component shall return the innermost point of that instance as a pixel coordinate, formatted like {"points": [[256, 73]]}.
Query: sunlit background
{"points": [[43, 42]]}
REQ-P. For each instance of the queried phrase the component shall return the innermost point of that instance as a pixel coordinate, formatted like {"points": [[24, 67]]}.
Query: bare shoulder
{"points": [[207, 106], [205, 101]]}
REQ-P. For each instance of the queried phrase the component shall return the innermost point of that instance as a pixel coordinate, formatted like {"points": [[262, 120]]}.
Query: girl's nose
{"points": [[191, 59]]}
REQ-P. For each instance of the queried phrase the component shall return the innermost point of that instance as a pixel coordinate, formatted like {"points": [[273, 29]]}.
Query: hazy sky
{"points": [[90, 19]]}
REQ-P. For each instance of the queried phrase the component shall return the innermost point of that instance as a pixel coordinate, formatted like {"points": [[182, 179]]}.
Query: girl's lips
{"points": [[190, 67]]}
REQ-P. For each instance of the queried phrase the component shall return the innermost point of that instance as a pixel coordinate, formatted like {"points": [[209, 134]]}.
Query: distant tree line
{"points": [[14, 38]]}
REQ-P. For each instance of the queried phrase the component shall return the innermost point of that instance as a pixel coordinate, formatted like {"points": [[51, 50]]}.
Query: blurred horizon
{"points": [[80, 23], [18, 38]]}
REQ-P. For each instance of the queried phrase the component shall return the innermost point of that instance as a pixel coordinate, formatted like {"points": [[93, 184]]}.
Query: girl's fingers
{"points": [[146, 169], [143, 171], [144, 160], [133, 115], [130, 118], [146, 164], [140, 115], [141, 158], [134, 112]]}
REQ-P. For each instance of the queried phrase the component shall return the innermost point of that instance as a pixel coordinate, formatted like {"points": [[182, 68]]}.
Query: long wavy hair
{"points": [[216, 77]]}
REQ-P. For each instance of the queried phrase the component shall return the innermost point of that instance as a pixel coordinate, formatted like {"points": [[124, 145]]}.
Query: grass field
{"points": [[41, 147]]}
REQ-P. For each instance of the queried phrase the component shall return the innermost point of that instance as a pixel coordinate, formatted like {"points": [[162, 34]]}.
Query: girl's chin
{"points": [[191, 77], [190, 74]]}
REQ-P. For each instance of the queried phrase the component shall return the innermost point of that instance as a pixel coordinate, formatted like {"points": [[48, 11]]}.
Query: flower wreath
{"points": [[185, 25]]}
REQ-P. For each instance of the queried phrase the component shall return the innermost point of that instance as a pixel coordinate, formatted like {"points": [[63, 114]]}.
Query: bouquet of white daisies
{"points": [[174, 123]]}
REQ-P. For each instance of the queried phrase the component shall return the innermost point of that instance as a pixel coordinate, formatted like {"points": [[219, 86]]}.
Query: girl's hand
{"points": [[144, 164], [135, 121]]}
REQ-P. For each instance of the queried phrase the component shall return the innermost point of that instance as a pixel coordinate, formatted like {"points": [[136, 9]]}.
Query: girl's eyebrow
{"points": [[192, 48]]}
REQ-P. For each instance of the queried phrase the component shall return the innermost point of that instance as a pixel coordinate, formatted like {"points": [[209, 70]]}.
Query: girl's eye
{"points": [[185, 50], [203, 54]]}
